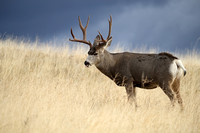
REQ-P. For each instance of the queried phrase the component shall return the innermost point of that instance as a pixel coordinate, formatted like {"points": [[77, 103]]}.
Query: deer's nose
{"points": [[87, 64]]}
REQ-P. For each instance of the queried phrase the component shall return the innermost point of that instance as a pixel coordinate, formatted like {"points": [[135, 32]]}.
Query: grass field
{"points": [[48, 90]]}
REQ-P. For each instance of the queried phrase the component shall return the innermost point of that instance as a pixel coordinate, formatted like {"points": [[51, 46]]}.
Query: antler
{"points": [[84, 33], [108, 37]]}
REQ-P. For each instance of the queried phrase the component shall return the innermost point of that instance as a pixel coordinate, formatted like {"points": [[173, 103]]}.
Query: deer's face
{"points": [[93, 57], [96, 52]]}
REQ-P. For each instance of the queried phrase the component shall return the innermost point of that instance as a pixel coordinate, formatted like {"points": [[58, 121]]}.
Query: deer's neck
{"points": [[107, 62]]}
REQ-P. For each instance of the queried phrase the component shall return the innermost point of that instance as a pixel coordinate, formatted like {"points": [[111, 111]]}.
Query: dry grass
{"points": [[46, 90]]}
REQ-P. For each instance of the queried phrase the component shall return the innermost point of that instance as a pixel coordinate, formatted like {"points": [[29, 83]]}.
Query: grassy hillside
{"points": [[43, 89]]}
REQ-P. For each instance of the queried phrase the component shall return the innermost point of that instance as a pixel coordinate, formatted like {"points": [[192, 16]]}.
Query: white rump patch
{"points": [[173, 69], [177, 69]]}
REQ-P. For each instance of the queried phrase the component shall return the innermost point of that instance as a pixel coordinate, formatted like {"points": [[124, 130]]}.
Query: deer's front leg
{"points": [[131, 93]]}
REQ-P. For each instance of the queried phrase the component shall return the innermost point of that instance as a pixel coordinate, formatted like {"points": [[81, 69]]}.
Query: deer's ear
{"points": [[103, 46], [108, 43], [96, 40]]}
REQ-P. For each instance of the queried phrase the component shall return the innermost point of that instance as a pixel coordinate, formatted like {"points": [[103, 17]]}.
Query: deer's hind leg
{"points": [[166, 87], [176, 89], [131, 93]]}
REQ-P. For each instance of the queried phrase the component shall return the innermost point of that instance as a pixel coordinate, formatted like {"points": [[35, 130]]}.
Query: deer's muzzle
{"points": [[87, 64]]}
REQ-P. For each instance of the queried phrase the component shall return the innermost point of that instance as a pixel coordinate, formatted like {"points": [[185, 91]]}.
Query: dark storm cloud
{"points": [[174, 26], [163, 23], [48, 17]]}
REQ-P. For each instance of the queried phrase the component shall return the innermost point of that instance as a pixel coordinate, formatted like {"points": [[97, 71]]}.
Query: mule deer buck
{"points": [[133, 70]]}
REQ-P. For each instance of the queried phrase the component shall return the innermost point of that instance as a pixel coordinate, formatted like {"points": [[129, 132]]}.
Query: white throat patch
{"points": [[92, 59]]}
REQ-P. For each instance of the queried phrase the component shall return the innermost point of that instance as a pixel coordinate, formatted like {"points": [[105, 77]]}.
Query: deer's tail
{"points": [[180, 68]]}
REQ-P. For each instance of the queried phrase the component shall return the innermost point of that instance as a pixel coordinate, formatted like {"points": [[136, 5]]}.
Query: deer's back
{"points": [[149, 68]]}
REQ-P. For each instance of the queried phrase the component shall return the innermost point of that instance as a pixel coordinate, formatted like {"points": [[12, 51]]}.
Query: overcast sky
{"points": [[165, 24]]}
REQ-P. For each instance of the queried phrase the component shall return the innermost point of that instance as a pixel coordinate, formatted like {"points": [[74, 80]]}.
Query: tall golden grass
{"points": [[48, 90]]}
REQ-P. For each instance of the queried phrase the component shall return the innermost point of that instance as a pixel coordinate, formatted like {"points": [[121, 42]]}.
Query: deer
{"points": [[131, 70]]}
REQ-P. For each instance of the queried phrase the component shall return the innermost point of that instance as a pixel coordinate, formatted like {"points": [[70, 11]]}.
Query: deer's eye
{"points": [[95, 53]]}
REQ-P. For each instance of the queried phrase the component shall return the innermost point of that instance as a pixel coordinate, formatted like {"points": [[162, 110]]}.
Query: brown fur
{"points": [[176, 89], [147, 71], [132, 69], [168, 54]]}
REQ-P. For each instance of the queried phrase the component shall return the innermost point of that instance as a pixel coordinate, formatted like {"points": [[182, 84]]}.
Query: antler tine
{"points": [[109, 32], [72, 34], [87, 22], [110, 25], [84, 33], [102, 40], [83, 28], [80, 23]]}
